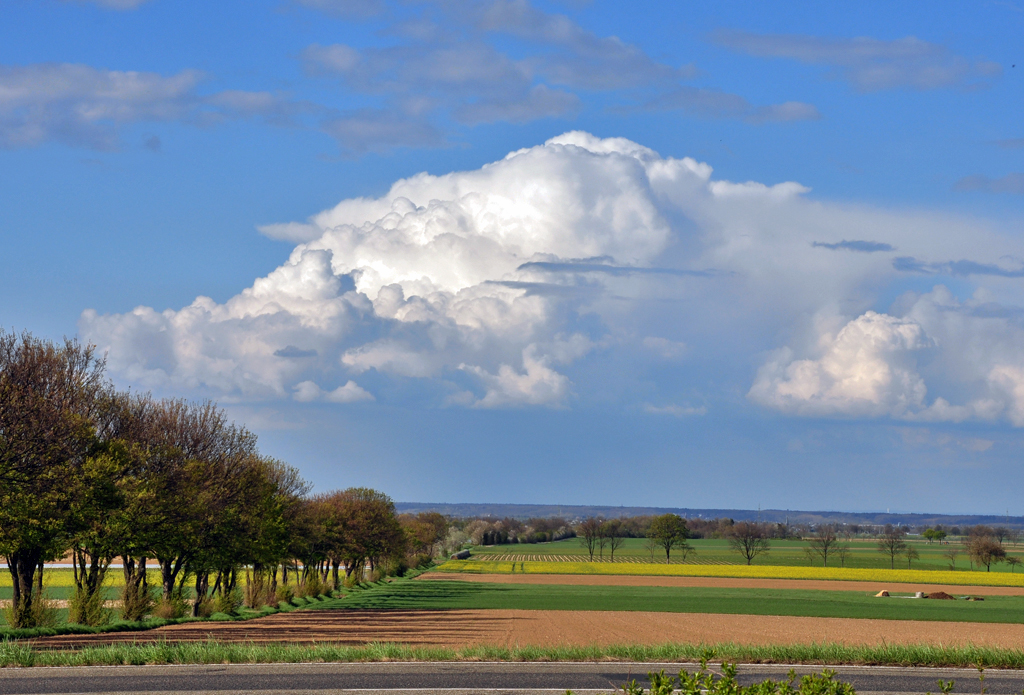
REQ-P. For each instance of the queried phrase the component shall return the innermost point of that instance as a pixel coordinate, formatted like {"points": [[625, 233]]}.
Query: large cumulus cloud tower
{"points": [[565, 272]]}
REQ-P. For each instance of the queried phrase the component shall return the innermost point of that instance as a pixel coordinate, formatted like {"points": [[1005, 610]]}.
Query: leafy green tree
{"points": [[48, 394], [985, 550], [670, 532]]}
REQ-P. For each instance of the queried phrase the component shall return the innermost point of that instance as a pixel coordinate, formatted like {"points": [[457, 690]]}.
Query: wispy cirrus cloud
{"points": [[84, 106], [348, 9], [712, 103], [113, 4], [1011, 183], [466, 63], [855, 245], [909, 264], [870, 64]]}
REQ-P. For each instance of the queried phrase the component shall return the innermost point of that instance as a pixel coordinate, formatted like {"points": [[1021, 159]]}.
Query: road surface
{"points": [[439, 678]]}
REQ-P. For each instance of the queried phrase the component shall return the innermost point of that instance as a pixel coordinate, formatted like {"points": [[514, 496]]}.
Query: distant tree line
{"points": [[94, 474]]}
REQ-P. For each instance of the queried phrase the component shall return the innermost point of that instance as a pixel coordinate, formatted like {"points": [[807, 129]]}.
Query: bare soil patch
{"points": [[461, 628], [718, 582]]}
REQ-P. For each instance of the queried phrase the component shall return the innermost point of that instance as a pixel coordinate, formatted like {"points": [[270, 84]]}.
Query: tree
{"points": [[1012, 561], [611, 530], [48, 396], [669, 531], [891, 543], [824, 542], [934, 534], [589, 532], [985, 550], [651, 545], [1002, 534], [843, 551], [952, 554], [749, 540], [911, 554]]}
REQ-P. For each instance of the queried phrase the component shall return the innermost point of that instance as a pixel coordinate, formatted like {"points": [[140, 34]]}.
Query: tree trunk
{"points": [[169, 570], [202, 588], [22, 565]]}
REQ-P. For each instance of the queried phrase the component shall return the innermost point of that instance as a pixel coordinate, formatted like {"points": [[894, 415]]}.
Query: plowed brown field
{"points": [[461, 628], [719, 582]]}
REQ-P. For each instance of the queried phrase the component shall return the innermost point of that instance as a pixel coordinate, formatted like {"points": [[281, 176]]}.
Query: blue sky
{"points": [[743, 254]]}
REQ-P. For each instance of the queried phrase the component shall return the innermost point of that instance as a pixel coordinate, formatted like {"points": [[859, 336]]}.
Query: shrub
{"points": [[88, 609], [312, 585], [284, 593], [206, 608], [704, 682], [137, 602], [420, 560], [229, 602], [398, 566], [43, 613], [257, 590], [174, 607]]}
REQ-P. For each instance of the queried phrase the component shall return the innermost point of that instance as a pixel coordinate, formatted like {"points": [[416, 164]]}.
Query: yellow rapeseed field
{"points": [[63, 577], [741, 571]]}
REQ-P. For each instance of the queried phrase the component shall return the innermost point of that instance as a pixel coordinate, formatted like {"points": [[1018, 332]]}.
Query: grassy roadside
{"points": [[888, 576], [13, 654]]}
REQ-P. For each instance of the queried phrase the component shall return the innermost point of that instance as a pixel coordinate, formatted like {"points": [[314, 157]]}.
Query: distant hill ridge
{"points": [[569, 511]]}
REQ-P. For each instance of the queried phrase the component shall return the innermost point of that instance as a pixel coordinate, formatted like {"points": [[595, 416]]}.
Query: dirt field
{"points": [[458, 628], [720, 582]]}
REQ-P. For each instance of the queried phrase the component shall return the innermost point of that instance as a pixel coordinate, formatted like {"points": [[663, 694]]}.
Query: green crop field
{"points": [[829, 604], [863, 553]]}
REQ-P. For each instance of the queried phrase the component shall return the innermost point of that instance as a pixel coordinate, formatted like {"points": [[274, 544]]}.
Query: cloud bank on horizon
{"points": [[517, 284]]}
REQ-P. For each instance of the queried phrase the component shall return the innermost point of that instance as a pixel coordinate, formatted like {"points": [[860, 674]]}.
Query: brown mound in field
{"points": [[941, 595], [881, 593]]}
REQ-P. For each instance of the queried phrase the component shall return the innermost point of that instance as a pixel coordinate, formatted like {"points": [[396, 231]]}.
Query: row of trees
{"points": [[984, 546], [93, 474], [509, 530]]}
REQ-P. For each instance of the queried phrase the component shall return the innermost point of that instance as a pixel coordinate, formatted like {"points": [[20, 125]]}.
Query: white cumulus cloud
{"points": [[597, 270], [868, 368]]}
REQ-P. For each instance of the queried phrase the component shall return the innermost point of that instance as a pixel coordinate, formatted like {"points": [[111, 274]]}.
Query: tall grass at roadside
{"points": [[738, 571], [23, 654]]}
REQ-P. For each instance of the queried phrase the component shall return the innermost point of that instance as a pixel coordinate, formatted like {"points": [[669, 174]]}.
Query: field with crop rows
{"points": [[712, 551]]}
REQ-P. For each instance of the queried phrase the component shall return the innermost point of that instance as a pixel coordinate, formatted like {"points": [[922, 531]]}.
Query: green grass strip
{"points": [[22, 654]]}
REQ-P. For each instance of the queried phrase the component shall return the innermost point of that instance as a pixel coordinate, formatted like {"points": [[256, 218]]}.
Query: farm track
{"points": [[463, 628]]}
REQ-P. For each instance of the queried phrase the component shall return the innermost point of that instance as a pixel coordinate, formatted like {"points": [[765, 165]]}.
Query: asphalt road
{"points": [[429, 678]]}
